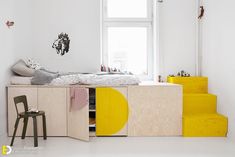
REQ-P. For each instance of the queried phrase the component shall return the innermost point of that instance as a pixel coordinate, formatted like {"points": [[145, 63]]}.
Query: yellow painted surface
{"points": [[191, 84], [200, 118], [111, 111], [199, 103], [205, 125]]}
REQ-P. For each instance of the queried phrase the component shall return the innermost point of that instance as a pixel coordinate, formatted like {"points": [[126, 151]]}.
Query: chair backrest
{"points": [[21, 99]]}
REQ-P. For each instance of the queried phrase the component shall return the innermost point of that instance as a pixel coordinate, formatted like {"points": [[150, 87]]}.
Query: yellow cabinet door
{"points": [[111, 111]]}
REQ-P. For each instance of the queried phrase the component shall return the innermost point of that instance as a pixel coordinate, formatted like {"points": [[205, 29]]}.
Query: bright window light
{"points": [[127, 8], [127, 36], [127, 47]]}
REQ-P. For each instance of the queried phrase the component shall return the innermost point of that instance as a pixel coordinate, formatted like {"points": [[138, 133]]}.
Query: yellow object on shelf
{"points": [[205, 125], [191, 84], [199, 103], [111, 111]]}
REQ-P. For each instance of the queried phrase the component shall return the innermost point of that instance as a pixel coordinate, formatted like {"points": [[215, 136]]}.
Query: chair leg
{"points": [[44, 127], [16, 126], [35, 132], [24, 128]]}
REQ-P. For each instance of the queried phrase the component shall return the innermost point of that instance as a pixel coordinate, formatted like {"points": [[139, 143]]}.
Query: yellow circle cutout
{"points": [[111, 111]]}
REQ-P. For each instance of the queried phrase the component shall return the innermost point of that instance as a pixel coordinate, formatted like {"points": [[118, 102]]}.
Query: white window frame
{"points": [[129, 22]]}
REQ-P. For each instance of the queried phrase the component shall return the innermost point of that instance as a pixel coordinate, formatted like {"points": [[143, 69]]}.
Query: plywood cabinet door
{"points": [[31, 93], [53, 101], [111, 111], [155, 110], [78, 120]]}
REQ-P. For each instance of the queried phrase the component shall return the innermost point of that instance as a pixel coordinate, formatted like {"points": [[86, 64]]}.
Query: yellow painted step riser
{"points": [[199, 103], [205, 127], [191, 84]]}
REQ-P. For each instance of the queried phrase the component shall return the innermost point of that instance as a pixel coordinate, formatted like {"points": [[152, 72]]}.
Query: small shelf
{"points": [[92, 125], [92, 97], [92, 128], [92, 133], [92, 112]]}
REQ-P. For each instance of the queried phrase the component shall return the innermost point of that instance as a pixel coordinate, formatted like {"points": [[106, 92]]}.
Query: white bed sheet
{"points": [[93, 79]]}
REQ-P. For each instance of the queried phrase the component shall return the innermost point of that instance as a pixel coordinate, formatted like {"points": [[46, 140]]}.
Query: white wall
{"points": [[6, 39], [38, 23], [44, 20], [177, 36], [23, 39], [81, 20], [219, 55]]}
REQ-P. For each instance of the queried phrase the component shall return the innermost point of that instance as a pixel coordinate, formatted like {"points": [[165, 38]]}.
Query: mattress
{"points": [[20, 80], [93, 79], [85, 79]]}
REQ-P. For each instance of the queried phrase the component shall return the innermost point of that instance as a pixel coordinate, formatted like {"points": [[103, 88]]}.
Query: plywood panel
{"points": [[78, 121], [53, 101], [31, 94], [155, 110]]}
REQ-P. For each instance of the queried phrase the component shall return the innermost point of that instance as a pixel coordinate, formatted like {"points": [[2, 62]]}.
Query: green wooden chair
{"points": [[25, 115]]}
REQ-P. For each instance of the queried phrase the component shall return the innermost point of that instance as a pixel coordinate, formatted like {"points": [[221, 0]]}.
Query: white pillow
{"points": [[33, 64], [21, 68]]}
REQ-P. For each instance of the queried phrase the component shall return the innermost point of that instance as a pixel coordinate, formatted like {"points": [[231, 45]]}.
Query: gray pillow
{"points": [[46, 70], [42, 77], [21, 68]]}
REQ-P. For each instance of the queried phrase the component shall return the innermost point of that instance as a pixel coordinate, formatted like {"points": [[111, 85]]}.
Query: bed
{"points": [[31, 73]]}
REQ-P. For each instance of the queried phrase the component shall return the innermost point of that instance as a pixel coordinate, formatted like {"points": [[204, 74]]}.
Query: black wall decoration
{"points": [[62, 44]]}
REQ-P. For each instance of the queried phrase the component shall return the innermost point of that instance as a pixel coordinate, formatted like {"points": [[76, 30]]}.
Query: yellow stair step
{"points": [[191, 84], [199, 103], [205, 125]]}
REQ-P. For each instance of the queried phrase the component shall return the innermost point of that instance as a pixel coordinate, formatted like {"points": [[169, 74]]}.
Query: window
{"points": [[127, 36]]}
